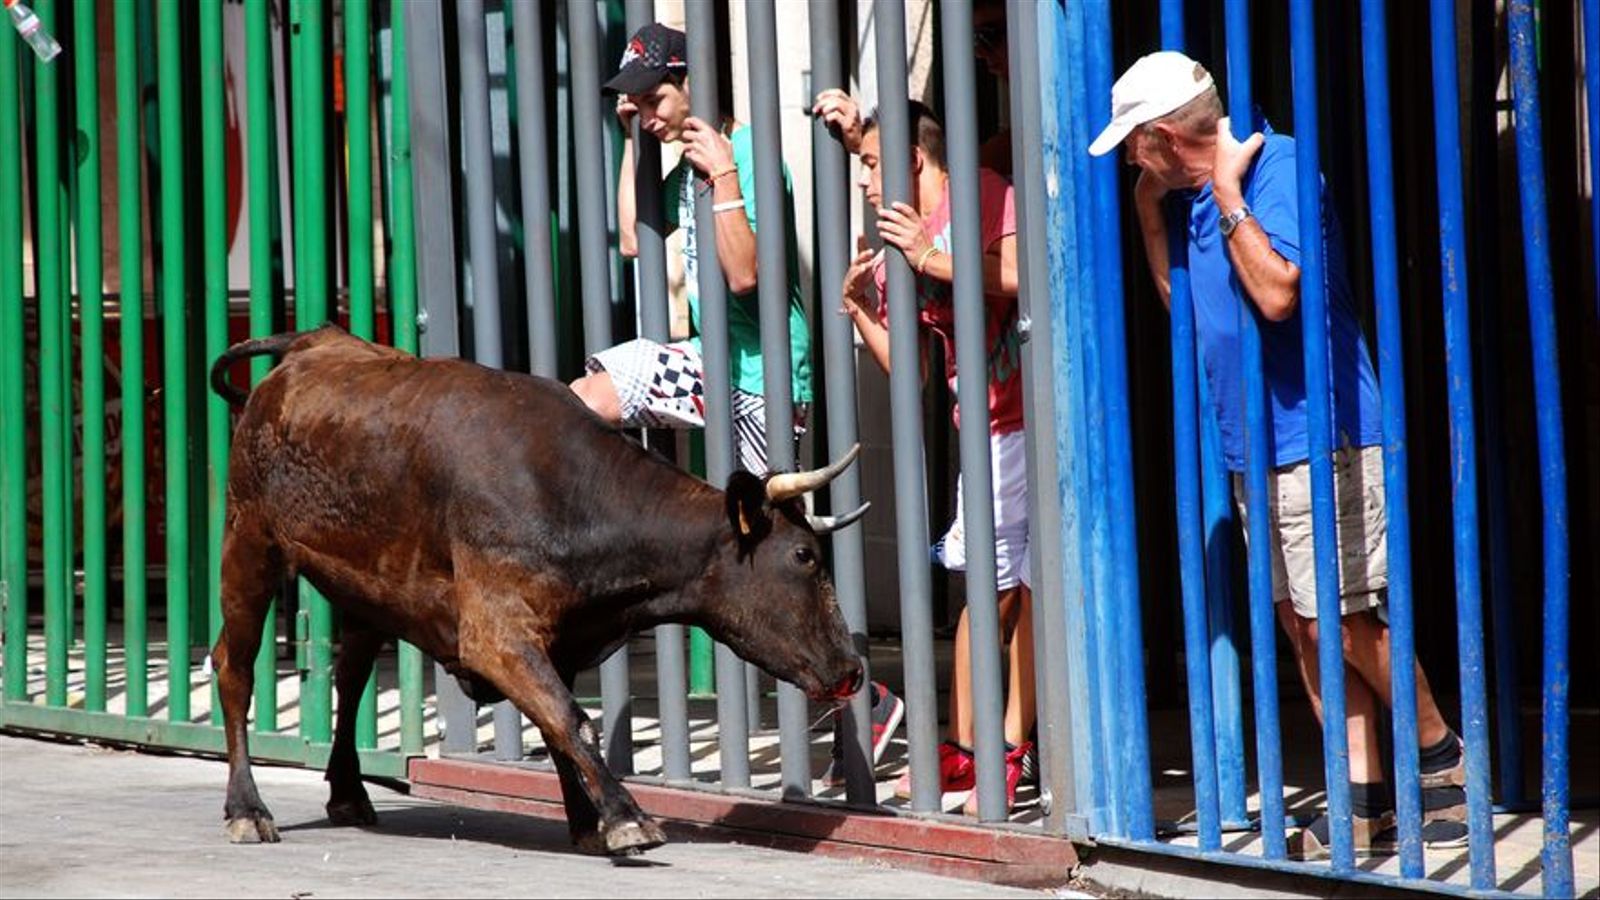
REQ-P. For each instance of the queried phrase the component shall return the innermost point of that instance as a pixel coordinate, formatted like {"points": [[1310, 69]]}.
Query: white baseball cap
{"points": [[1156, 85]]}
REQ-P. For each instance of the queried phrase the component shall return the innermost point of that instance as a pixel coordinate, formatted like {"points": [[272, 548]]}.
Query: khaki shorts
{"points": [[1363, 531]]}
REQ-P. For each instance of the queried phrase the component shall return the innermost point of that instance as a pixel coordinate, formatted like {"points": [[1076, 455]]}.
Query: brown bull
{"points": [[488, 518]]}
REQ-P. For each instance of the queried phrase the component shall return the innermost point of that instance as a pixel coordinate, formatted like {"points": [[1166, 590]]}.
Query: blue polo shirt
{"points": [[1220, 302]]}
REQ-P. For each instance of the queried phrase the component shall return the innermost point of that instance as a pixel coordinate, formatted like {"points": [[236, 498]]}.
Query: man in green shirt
{"points": [[645, 384]]}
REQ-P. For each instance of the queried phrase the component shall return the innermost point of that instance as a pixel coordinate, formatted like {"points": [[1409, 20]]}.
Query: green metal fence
{"points": [[63, 671]]}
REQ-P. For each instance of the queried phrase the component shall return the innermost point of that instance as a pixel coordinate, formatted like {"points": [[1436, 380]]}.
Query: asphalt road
{"points": [[87, 821]]}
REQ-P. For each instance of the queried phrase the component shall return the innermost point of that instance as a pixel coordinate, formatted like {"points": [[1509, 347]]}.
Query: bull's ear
{"points": [[747, 508]]}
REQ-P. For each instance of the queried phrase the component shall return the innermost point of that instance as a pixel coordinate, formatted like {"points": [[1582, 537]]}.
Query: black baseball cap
{"points": [[654, 52]]}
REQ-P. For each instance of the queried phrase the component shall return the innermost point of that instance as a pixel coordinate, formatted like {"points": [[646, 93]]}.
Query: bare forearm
{"points": [[999, 268], [874, 334], [1272, 282], [736, 242], [1153, 228], [627, 213]]}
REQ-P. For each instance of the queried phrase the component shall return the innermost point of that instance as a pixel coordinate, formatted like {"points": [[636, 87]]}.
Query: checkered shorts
{"points": [[662, 386]]}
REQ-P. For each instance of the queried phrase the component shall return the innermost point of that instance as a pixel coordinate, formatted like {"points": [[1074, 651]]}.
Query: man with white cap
{"points": [[1237, 204]]}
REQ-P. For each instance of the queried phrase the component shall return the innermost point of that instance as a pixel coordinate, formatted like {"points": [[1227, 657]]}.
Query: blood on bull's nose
{"points": [[849, 684]]}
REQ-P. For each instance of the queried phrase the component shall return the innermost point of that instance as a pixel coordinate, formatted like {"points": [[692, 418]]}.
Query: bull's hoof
{"points": [[252, 829], [633, 838], [355, 811]]}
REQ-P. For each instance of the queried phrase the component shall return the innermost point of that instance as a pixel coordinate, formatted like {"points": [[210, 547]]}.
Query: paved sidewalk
{"points": [[87, 821]]}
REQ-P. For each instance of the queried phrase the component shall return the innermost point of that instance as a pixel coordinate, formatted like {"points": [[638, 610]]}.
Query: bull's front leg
{"points": [[527, 677]]}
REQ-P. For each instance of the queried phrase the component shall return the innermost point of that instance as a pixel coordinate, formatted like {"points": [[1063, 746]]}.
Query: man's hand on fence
{"points": [[838, 111], [706, 148], [1233, 158]]}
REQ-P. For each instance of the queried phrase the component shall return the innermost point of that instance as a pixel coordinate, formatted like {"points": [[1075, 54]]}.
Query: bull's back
{"points": [[360, 457]]}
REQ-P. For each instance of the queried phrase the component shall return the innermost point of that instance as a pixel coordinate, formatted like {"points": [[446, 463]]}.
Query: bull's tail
{"points": [[276, 344]]}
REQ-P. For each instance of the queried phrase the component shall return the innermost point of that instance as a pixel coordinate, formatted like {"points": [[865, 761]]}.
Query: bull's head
{"points": [[776, 606]]}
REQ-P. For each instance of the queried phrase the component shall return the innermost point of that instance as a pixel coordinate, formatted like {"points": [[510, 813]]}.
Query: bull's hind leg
{"points": [[251, 571], [347, 796], [583, 820]]}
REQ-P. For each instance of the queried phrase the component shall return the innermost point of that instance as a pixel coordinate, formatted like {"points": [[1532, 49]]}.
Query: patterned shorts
{"points": [[663, 386]]}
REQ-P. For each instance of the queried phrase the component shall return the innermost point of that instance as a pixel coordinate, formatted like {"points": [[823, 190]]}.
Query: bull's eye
{"points": [[804, 557]]}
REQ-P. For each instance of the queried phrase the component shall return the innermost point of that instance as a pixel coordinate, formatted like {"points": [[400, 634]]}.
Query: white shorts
{"points": [[1008, 469], [663, 386], [1362, 525]]}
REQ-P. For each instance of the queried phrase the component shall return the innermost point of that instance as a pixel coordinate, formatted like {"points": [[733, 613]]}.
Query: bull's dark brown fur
{"points": [[488, 518]]}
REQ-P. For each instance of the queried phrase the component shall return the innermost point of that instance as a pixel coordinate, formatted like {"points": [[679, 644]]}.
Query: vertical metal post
{"points": [[214, 251], [966, 251], [483, 254], [1191, 543], [1483, 127], [617, 714], [1463, 443], [650, 269], [1257, 460], [52, 345], [358, 129], [772, 255], [1227, 700], [1111, 333], [733, 731], [1319, 433], [1102, 616], [1391, 363], [312, 310], [135, 633], [403, 311], [92, 316], [485, 281], [533, 142], [831, 162], [422, 147], [1556, 856], [905, 401], [1055, 681], [175, 386], [262, 132], [1591, 78], [13, 411]]}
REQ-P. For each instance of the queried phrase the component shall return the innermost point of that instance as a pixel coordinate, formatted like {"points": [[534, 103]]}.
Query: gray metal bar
{"points": [[534, 145], [430, 141], [761, 21], [830, 193], [1057, 782], [905, 401], [966, 251], [650, 227], [650, 268], [436, 266], [485, 295], [733, 731], [583, 35]]}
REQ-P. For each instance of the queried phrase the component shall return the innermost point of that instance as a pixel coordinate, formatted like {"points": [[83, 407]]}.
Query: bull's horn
{"points": [[793, 484], [830, 524]]}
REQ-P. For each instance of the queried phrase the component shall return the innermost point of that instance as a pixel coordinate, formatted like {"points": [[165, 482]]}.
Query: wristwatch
{"points": [[1229, 221]]}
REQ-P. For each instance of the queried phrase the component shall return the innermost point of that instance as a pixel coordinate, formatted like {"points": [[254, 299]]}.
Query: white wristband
{"points": [[727, 206]]}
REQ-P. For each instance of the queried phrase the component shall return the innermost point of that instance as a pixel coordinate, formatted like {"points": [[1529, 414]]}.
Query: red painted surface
{"points": [[1000, 855]]}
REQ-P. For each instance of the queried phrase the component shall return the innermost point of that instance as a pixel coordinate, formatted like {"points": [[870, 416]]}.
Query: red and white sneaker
{"points": [[1014, 762], [956, 772]]}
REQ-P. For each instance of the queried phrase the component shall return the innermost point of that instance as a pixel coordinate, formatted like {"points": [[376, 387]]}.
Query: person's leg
{"points": [[1016, 616], [960, 711], [1367, 649], [600, 395]]}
